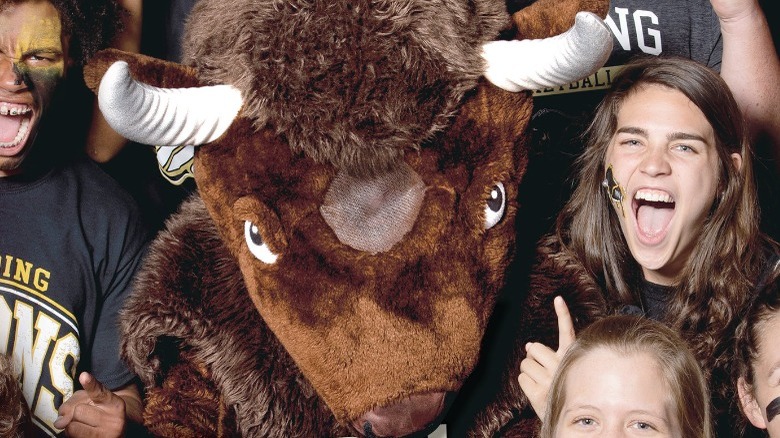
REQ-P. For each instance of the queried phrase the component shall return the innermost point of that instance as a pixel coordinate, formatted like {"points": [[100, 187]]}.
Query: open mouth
{"points": [[15, 122], [654, 210]]}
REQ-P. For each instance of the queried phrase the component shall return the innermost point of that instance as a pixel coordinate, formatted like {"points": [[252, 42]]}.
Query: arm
{"points": [[134, 407], [750, 65], [103, 143]]}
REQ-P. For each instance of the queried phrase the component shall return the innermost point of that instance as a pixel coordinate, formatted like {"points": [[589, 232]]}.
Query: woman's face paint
{"points": [[766, 376], [33, 54], [615, 191], [773, 409]]}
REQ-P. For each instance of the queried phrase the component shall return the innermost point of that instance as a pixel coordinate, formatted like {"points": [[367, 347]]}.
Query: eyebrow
{"points": [[670, 137], [685, 136], [773, 371], [631, 130], [659, 416], [34, 50], [578, 407]]}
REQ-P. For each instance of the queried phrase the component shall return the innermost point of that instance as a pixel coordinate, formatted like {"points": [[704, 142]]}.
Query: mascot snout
{"points": [[404, 417]]}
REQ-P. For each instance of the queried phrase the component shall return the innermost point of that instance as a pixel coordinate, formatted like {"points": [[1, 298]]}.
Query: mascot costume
{"points": [[357, 167]]}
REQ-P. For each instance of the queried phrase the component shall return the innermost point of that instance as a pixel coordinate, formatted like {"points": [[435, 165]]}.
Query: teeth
{"points": [[653, 196], [13, 110], [23, 127]]}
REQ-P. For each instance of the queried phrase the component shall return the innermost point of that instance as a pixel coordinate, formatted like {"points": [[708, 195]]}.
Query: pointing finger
{"points": [[566, 334], [96, 391]]}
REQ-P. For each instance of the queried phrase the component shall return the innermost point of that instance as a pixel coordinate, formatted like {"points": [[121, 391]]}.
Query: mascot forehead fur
{"points": [[358, 179], [353, 83]]}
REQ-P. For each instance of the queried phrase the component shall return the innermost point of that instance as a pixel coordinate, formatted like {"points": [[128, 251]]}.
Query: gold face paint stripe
{"points": [[41, 36]]}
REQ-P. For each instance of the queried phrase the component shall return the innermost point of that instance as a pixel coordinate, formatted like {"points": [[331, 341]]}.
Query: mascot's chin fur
{"points": [[357, 166]]}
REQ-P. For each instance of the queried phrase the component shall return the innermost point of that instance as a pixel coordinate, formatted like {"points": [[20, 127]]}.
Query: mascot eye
{"points": [[495, 206], [257, 247]]}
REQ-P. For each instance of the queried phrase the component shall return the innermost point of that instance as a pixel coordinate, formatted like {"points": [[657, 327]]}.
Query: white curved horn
{"points": [[535, 64], [165, 116]]}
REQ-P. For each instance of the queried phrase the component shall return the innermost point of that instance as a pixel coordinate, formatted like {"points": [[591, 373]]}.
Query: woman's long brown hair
{"points": [[731, 251]]}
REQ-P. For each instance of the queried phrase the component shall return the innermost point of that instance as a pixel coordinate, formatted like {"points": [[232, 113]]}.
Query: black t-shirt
{"points": [[655, 299], [70, 242]]}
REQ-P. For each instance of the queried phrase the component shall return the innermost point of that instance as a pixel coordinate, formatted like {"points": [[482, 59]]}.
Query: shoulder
{"points": [[97, 186], [102, 210], [98, 198]]}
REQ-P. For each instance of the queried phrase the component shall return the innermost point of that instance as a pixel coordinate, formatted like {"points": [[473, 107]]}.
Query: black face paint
{"points": [[773, 409], [18, 73], [614, 190]]}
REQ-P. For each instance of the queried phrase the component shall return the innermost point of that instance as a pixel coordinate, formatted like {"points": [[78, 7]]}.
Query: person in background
{"points": [[70, 238], [628, 376], [756, 358], [158, 177]]}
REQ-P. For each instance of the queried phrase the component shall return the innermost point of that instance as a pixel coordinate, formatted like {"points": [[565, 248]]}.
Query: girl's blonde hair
{"points": [[628, 336]]}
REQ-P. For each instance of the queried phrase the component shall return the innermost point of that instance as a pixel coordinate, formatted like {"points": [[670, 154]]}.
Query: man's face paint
{"points": [[773, 409], [615, 191], [32, 64]]}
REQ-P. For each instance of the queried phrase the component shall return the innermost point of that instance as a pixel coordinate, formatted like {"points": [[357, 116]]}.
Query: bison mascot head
{"points": [[357, 172]]}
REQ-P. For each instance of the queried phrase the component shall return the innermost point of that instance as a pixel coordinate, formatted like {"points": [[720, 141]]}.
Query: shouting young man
{"points": [[70, 240]]}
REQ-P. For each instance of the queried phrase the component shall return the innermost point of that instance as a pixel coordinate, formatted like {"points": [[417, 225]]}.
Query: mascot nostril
{"points": [[404, 417], [373, 213]]}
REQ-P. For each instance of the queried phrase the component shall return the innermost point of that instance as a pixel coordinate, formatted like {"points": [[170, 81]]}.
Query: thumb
{"points": [[96, 391]]}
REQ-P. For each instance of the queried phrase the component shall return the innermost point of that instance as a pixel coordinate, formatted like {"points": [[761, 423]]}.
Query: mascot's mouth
{"points": [[15, 120], [411, 416], [654, 210]]}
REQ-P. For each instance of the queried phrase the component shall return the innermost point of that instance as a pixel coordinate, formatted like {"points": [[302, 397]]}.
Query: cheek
{"points": [[622, 166], [768, 399], [43, 82], [703, 195]]}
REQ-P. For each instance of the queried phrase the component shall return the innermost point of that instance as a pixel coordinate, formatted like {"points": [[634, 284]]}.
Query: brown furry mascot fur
{"points": [[14, 413], [358, 180]]}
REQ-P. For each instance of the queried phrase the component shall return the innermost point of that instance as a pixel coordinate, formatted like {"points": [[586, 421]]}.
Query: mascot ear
{"points": [[546, 18], [156, 102], [144, 68]]}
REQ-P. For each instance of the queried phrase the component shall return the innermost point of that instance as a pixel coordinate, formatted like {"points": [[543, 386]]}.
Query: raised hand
{"points": [[728, 10], [540, 363], [92, 412]]}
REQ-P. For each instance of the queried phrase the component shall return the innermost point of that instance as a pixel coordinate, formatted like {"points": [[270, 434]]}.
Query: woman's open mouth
{"points": [[653, 210]]}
